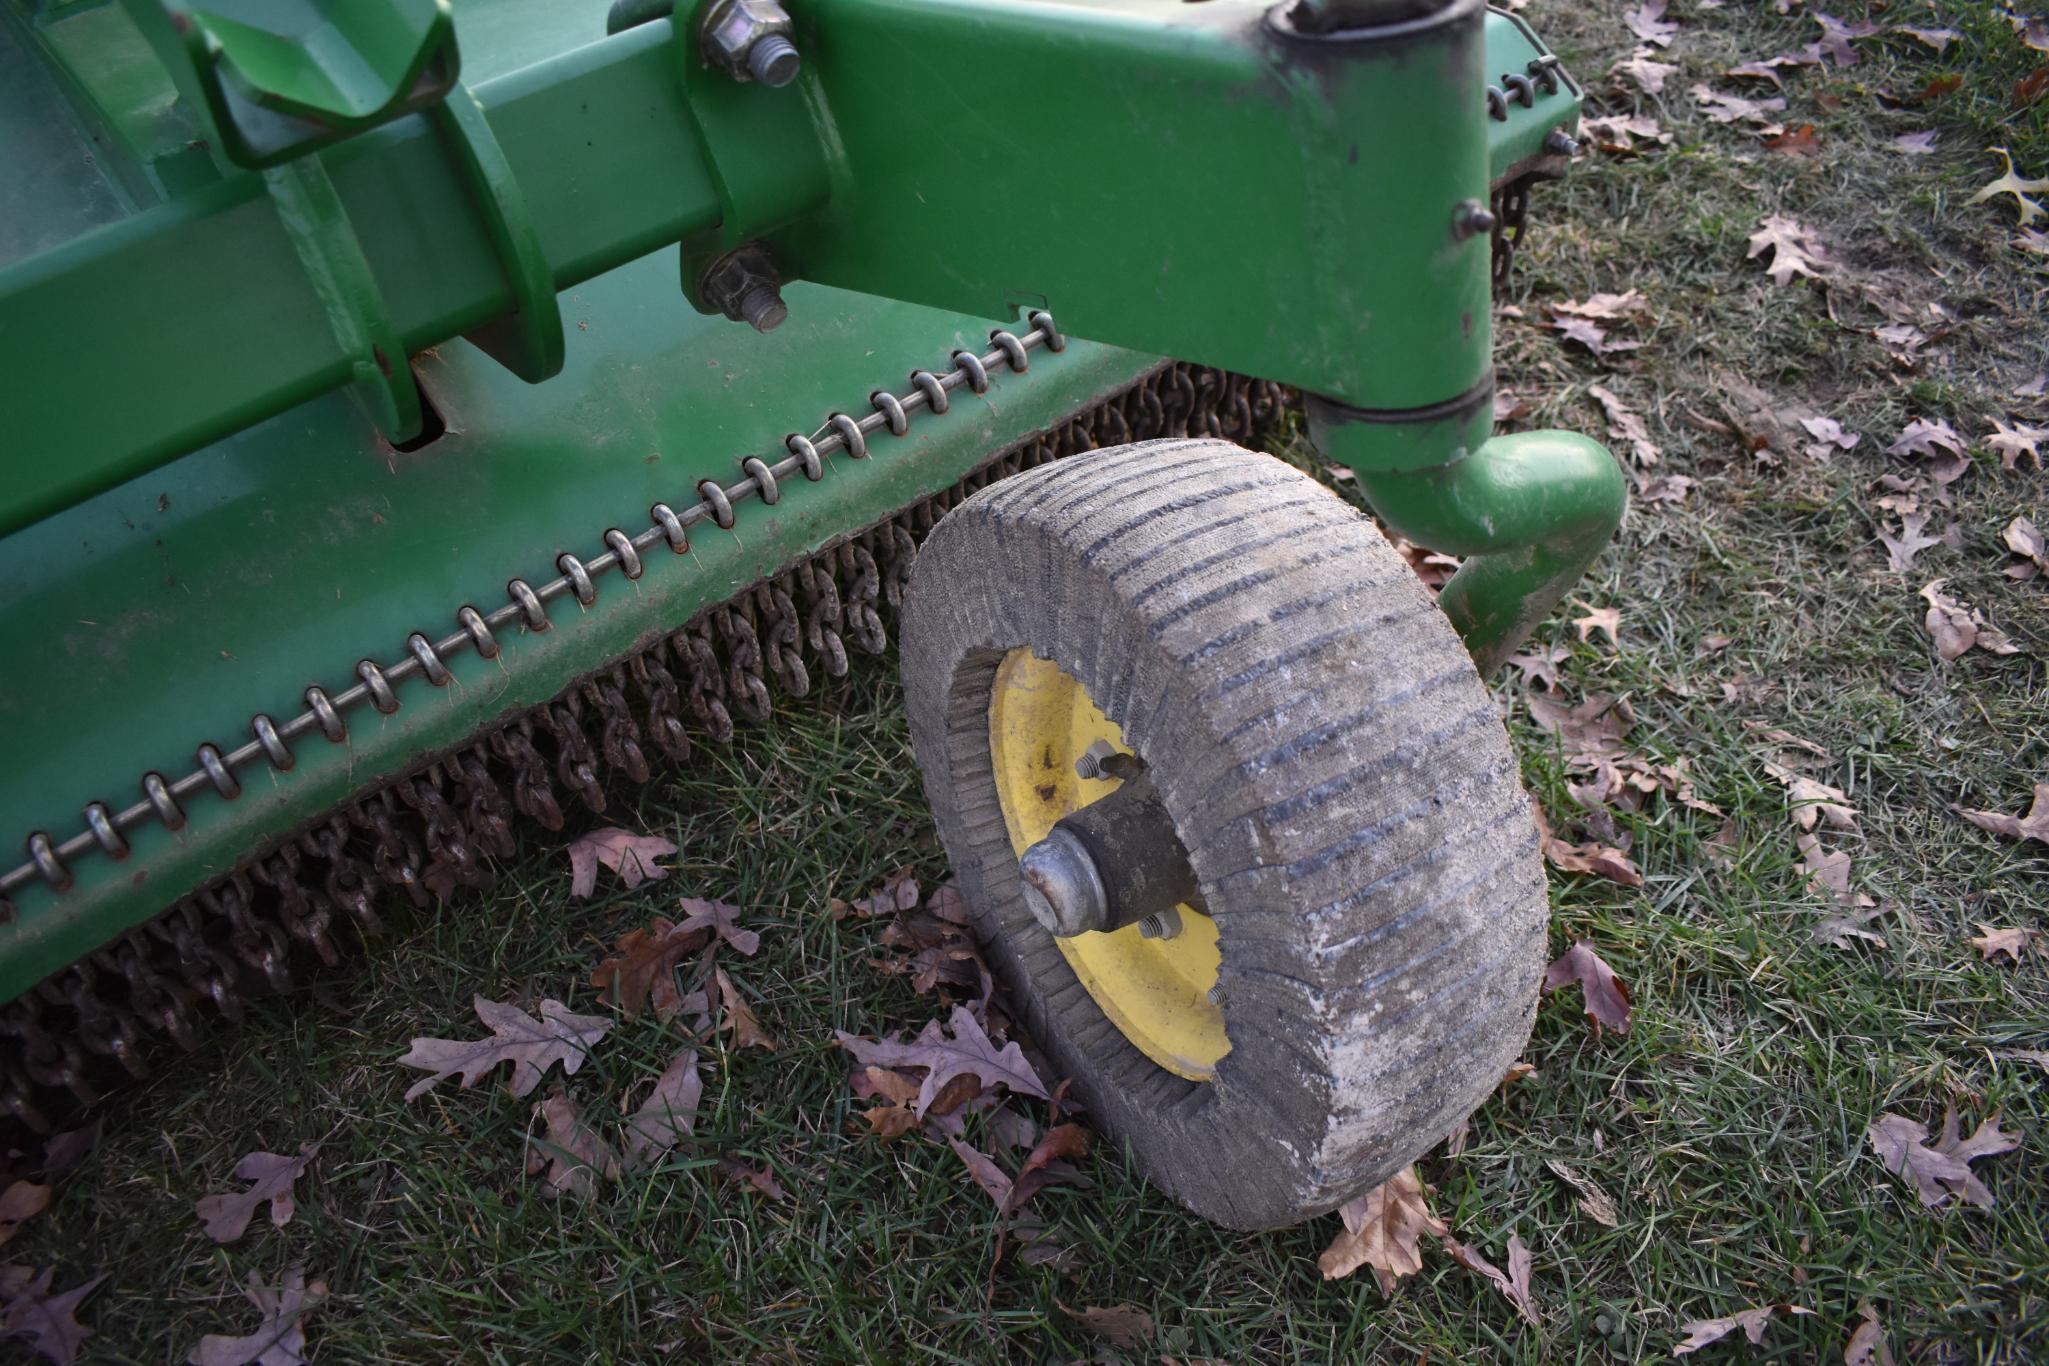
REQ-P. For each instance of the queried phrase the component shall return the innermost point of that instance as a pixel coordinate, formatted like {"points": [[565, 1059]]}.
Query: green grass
{"points": [[1728, 1122]]}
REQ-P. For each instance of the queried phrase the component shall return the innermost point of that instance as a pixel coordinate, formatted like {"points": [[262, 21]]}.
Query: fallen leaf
{"points": [[1606, 995], [629, 855], [1767, 68], [1956, 626], [1733, 108], [739, 1017], [1867, 1345], [1706, 1332], [1121, 1325], [2011, 443], [1647, 21], [1828, 874], [1838, 930], [2031, 88], [1608, 307], [2015, 185], [1616, 134], [1914, 144], [1938, 86], [1829, 436], [2025, 539], [1922, 437], [1799, 142], [665, 1118], [1540, 669], [530, 1045], [1900, 550], [33, 1312], [762, 1178], [2011, 941], [1627, 425], [226, 1217], [969, 1052], [2037, 1056], [1592, 729], [1794, 249], [1593, 857], [280, 1339], [1607, 620], [1455, 1141], [898, 892], [1937, 38], [1589, 334], [1643, 68], [571, 1150], [2033, 826], [1836, 36], [1383, 1230], [19, 1203], [722, 920], [1593, 1202], [645, 965], [1941, 1171], [1515, 1284], [1814, 800]]}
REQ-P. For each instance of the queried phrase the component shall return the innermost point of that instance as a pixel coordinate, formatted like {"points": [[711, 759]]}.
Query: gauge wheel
{"points": [[1359, 962]]}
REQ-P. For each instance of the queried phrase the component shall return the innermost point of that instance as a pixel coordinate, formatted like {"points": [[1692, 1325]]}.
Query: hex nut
{"points": [[745, 286], [750, 40]]}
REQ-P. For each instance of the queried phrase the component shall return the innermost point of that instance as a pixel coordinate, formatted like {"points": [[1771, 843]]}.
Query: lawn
{"points": [[1766, 637]]}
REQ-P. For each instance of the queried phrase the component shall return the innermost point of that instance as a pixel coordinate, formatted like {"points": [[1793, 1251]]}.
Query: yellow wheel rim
{"points": [[1155, 990]]}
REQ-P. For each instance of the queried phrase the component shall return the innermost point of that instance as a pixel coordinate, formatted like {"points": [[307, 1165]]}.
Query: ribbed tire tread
{"points": [[1339, 774]]}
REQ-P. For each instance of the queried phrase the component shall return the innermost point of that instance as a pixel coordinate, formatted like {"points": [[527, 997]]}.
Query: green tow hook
{"points": [[1529, 512]]}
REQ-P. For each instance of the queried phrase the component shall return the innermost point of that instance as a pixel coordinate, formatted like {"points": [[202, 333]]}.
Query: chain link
{"points": [[430, 835]]}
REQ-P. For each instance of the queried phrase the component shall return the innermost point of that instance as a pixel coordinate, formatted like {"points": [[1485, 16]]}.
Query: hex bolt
{"points": [[1160, 925], [1560, 143], [750, 40], [1472, 218], [774, 61], [743, 285], [1216, 995], [1090, 764]]}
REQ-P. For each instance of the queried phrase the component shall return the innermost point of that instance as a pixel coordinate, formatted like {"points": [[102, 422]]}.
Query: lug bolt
{"points": [[1472, 218], [1561, 143], [744, 285], [1160, 925], [1090, 764], [763, 309], [774, 61]]}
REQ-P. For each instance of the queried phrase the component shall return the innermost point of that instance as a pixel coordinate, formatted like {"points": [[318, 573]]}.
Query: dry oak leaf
{"points": [[2025, 539], [1834, 42], [1616, 135], [1121, 1325], [629, 855], [1593, 857], [571, 1151], [1647, 21], [19, 1203], [1593, 1202], [645, 966], [666, 1117], [1593, 729], [1730, 108], [1767, 68], [1867, 1345], [1828, 875], [1942, 1170], [1643, 67], [1914, 144], [1625, 424], [1838, 930], [1706, 1332], [50, 1320], [1900, 550], [2033, 826], [1798, 142], [2015, 185], [1794, 250], [1515, 1283], [1607, 620], [2011, 941], [740, 1022], [1540, 669], [280, 1340], [226, 1217], [2011, 443], [530, 1045], [1937, 38], [1956, 626], [1384, 1229], [1939, 442], [969, 1052], [1828, 435], [762, 1178], [1814, 801], [1607, 996]]}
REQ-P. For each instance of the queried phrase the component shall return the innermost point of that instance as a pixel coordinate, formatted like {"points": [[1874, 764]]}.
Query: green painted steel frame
{"points": [[1192, 180]]}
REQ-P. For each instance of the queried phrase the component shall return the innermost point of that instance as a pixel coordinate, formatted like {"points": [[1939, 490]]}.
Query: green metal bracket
{"points": [[528, 341], [313, 217], [279, 81]]}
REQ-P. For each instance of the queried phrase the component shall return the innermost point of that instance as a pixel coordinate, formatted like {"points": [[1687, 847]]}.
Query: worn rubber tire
{"points": [[1340, 777]]}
